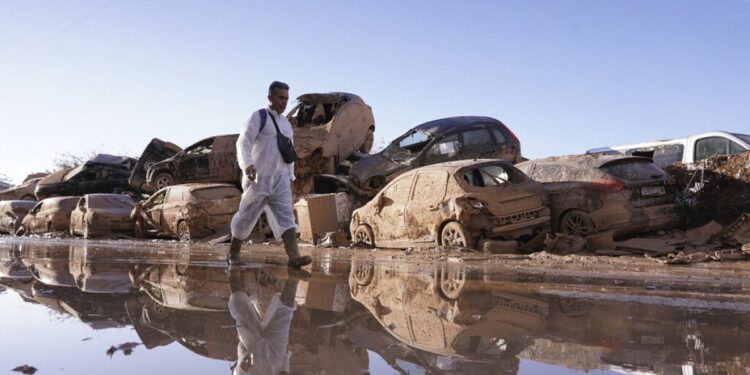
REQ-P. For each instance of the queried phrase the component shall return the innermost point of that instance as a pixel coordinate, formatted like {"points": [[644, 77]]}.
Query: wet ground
{"points": [[120, 307]]}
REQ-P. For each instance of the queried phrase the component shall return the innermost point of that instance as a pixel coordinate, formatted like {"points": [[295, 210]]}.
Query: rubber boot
{"points": [[292, 250], [233, 257], [289, 292]]}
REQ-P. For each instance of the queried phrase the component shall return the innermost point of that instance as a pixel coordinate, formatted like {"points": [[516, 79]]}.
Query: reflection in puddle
{"points": [[348, 316]]}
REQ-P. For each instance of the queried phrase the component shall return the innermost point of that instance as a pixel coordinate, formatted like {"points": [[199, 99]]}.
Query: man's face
{"points": [[278, 99]]}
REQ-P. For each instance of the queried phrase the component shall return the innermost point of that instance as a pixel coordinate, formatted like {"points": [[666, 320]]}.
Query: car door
{"points": [[193, 164], [391, 224], [421, 211]]}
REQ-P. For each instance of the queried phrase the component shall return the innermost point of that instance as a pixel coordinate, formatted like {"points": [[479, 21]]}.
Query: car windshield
{"points": [[492, 175], [112, 201], [409, 144], [744, 137], [633, 170]]}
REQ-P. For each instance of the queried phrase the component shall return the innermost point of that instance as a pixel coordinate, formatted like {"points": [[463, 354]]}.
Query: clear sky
{"points": [[564, 75]]}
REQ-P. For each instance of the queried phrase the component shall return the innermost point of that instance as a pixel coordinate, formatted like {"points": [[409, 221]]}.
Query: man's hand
{"points": [[250, 172]]}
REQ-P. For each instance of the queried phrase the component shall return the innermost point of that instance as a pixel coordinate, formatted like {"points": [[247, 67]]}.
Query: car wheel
{"points": [[163, 180], [454, 234], [577, 223], [364, 233], [28, 197], [363, 271], [452, 281], [369, 141], [183, 231]]}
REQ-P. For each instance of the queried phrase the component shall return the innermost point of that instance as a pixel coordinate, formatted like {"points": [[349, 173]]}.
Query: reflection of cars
{"points": [[102, 174], [25, 191], [12, 214], [454, 138], [102, 214], [453, 204], [187, 211], [685, 150], [49, 264], [49, 215], [591, 193], [213, 159], [97, 271]]}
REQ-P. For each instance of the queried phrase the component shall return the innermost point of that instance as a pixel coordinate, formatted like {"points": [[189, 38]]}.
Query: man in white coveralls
{"points": [[266, 180]]}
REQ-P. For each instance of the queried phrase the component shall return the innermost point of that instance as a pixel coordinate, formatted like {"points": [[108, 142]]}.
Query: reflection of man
{"points": [[266, 179], [263, 337]]}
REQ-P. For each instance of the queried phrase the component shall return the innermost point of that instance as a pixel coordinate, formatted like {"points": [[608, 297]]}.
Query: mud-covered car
{"points": [[102, 214], [448, 139], [12, 214], [594, 193], [49, 215], [186, 212], [453, 204], [25, 191], [101, 174]]}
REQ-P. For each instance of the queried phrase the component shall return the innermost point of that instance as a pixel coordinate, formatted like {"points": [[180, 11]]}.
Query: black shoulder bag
{"points": [[286, 147]]}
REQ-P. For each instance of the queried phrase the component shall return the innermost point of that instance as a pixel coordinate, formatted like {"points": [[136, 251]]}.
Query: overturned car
{"points": [[101, 174], [328, 129], [453, 204], [186, 212], [448, 139], [98, 215], [594, 193]]}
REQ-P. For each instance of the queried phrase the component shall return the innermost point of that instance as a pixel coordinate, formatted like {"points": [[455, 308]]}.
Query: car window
{"points": [[444, 149], [476, 139], [668, 154], [712, 146], [492, 175], [499, 137], [430, 185], [158, 198], [398, 192], [203, 147], [633, 170], [735, 148], [86, 176], [413, 141]]}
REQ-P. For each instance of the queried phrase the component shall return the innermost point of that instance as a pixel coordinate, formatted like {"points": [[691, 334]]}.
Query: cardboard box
{"points": [[316, 216]]}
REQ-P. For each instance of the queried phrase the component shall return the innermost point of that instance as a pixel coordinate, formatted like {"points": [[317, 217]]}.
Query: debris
{"points": [[334, 239], [707, 231], [316, 215], [497, 246], [601, 241], [737, 233], [562, 244], [126, 348], [25, 369]]}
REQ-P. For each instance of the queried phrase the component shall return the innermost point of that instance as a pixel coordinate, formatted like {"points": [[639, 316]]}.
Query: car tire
{"points": [[577, 223], [363, 271], [452, 281], [163, 180], [183, 231], [364, 233], [455, 234]]}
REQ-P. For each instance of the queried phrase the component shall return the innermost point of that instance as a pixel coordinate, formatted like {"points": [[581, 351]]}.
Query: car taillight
{"points": [[607, 186]]}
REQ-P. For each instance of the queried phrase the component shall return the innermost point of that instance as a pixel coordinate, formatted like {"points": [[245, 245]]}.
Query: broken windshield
{"points": [[409, 144]]}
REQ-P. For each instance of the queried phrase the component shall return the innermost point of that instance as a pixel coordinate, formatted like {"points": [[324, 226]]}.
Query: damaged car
{"points": [[328, 130], [448, 139], [453, 204], [12, 214], [595, 193], [49, 215], [25, 191], [156, 151], [186, 212], [99, 215], [101, 174]]}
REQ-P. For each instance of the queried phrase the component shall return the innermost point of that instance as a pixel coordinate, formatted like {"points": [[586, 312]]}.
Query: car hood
{"points": [[374, 165]]}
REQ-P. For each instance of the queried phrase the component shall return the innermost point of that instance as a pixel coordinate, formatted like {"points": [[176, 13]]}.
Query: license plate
{"points": [[653, 190]]}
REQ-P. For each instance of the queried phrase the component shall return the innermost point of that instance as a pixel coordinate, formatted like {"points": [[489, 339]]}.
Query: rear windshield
{"points": [[111, 201], [215, 193], [492, 175], [633, 170]]}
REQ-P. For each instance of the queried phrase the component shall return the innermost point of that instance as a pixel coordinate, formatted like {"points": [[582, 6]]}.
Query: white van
{"points": [[685, 150]]}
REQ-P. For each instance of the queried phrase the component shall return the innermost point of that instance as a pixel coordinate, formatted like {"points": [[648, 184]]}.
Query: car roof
{"points": [[444, 124], [586, 160]]}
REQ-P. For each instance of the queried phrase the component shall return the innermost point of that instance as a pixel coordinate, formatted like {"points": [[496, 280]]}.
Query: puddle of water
{"points": [[87, 308]]}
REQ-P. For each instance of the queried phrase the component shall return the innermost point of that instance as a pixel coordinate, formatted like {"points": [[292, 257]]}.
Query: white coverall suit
{"points": [[271, 191], [266, 338]]}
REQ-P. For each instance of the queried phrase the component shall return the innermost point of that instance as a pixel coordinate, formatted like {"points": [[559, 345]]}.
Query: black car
{"points": [[453, 138], [102, 174]]}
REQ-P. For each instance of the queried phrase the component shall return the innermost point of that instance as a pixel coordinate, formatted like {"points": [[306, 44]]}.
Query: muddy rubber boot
{"points": [[292, 250], [289, 291], [233, 257]]}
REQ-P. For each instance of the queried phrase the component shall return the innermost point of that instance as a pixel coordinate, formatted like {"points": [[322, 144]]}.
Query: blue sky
{"points": [[565, 76]]}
